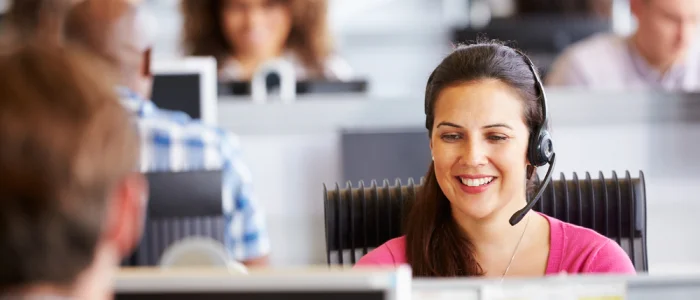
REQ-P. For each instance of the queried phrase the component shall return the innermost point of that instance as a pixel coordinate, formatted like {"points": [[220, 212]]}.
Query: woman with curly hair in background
{"points": [[244, 34]]}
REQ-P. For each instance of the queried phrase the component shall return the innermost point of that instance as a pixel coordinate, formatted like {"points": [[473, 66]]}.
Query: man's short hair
{"points": [[111, 29], [65, 143]]}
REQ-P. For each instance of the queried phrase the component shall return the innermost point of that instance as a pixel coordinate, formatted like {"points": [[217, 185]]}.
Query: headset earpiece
{"points": [[540, 149]]}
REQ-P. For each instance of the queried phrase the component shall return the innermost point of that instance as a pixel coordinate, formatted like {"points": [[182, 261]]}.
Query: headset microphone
{"points": [[540, 147], [519, 215]]}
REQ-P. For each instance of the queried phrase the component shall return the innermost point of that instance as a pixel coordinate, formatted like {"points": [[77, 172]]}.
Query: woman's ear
{"points": [[431, 148]]}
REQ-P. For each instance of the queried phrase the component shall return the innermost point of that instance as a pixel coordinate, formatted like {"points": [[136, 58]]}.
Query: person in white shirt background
{"points": [[661, 54]]}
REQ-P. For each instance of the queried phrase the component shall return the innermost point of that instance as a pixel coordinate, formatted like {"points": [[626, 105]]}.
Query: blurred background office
{"points": [[376, 40], [329, 132], [661, 53]]}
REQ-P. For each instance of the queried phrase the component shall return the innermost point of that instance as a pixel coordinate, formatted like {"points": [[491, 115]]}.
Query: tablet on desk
{"points": [[306, 284]]}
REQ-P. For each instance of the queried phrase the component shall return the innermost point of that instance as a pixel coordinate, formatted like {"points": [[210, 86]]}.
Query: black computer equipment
{"points": [[180, 205], [180, 92], [187, 85], [548, 33], [303, 87]]}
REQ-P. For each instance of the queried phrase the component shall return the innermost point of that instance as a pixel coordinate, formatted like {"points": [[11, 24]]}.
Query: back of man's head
{"points": [[119, 32], [29, 18], [67, 162]]}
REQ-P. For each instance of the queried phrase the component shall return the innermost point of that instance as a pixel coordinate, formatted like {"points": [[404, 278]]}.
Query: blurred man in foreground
{"points": [[71, 198], [31, 18], [119, 32], [661, 54]]}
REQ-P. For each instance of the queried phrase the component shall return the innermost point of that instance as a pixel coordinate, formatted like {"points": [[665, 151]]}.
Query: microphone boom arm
{"points": [[518, 216]]}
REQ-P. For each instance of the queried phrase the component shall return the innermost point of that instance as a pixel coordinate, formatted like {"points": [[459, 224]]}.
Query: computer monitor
{"points": [[321, 284], [180, 205], [548, 33], [374, 154], [186, 84], [542, 36]]}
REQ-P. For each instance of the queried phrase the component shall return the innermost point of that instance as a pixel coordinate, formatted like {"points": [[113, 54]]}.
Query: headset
{"points": [[540, 149]]}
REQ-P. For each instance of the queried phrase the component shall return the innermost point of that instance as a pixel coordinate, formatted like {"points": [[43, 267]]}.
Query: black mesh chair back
{"points": [[181, 205], [361, 218]]}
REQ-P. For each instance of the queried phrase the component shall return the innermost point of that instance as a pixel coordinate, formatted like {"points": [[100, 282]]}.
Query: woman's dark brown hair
{"points": [[309, 37], [435, 245]]}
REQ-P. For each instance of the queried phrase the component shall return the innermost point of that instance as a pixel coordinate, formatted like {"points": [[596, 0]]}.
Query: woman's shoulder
{"points": [[577, 249], [392, 253]]}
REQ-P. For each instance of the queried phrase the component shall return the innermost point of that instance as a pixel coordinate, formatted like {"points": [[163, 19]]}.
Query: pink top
{"points": [[573, 249]]}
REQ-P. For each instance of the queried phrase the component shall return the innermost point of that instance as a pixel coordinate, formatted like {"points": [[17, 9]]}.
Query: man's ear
{"points": [[146, 71], [636, 6], [127, 213]]}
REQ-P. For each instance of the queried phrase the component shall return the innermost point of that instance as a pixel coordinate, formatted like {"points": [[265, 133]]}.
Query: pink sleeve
{"points": [[381, 256], [610, 258]]}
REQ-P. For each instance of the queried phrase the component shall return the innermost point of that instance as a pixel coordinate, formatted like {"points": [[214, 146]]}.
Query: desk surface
{"points": [[640, 287], [137, 279]]}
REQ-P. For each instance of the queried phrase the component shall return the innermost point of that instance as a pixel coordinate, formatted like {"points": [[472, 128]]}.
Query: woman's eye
{"points": [[497, 138], [450, 137]]}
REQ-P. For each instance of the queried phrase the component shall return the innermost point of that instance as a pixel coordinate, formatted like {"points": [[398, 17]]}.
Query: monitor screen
{"points": [[179, 92], [375, 155], [188, 85]]}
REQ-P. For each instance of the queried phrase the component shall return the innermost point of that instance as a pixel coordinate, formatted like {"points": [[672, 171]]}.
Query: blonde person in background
{"points": [[244, 34], [661, 54]]}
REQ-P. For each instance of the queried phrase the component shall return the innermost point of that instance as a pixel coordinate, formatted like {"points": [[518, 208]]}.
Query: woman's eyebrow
{"points": [[498, 125], [450, 124]]}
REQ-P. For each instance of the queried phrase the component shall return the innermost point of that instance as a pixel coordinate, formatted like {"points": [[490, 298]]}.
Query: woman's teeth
{"points": [[477, 181]]}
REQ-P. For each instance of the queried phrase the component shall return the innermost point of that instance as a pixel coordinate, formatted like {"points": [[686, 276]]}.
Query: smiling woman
{"points": [[484, 105], [244, 34]]}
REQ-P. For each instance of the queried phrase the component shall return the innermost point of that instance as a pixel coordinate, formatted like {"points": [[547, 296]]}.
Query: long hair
{"points": [[435, 245], [309, 37]]}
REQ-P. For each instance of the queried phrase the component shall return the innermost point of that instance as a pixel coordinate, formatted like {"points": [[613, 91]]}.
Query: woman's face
{"points": [[256, 27], [479, 146]]}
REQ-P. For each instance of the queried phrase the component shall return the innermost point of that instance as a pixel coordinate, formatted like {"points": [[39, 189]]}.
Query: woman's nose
{"points": [[473, 154]]}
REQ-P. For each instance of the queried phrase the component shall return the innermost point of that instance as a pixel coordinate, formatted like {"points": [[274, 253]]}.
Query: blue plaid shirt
{"points": [[172, 141]]}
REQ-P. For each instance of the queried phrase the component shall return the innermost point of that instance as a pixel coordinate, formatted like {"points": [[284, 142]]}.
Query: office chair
{"points": [[181, 205], [199, 252], [358, 219]]}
